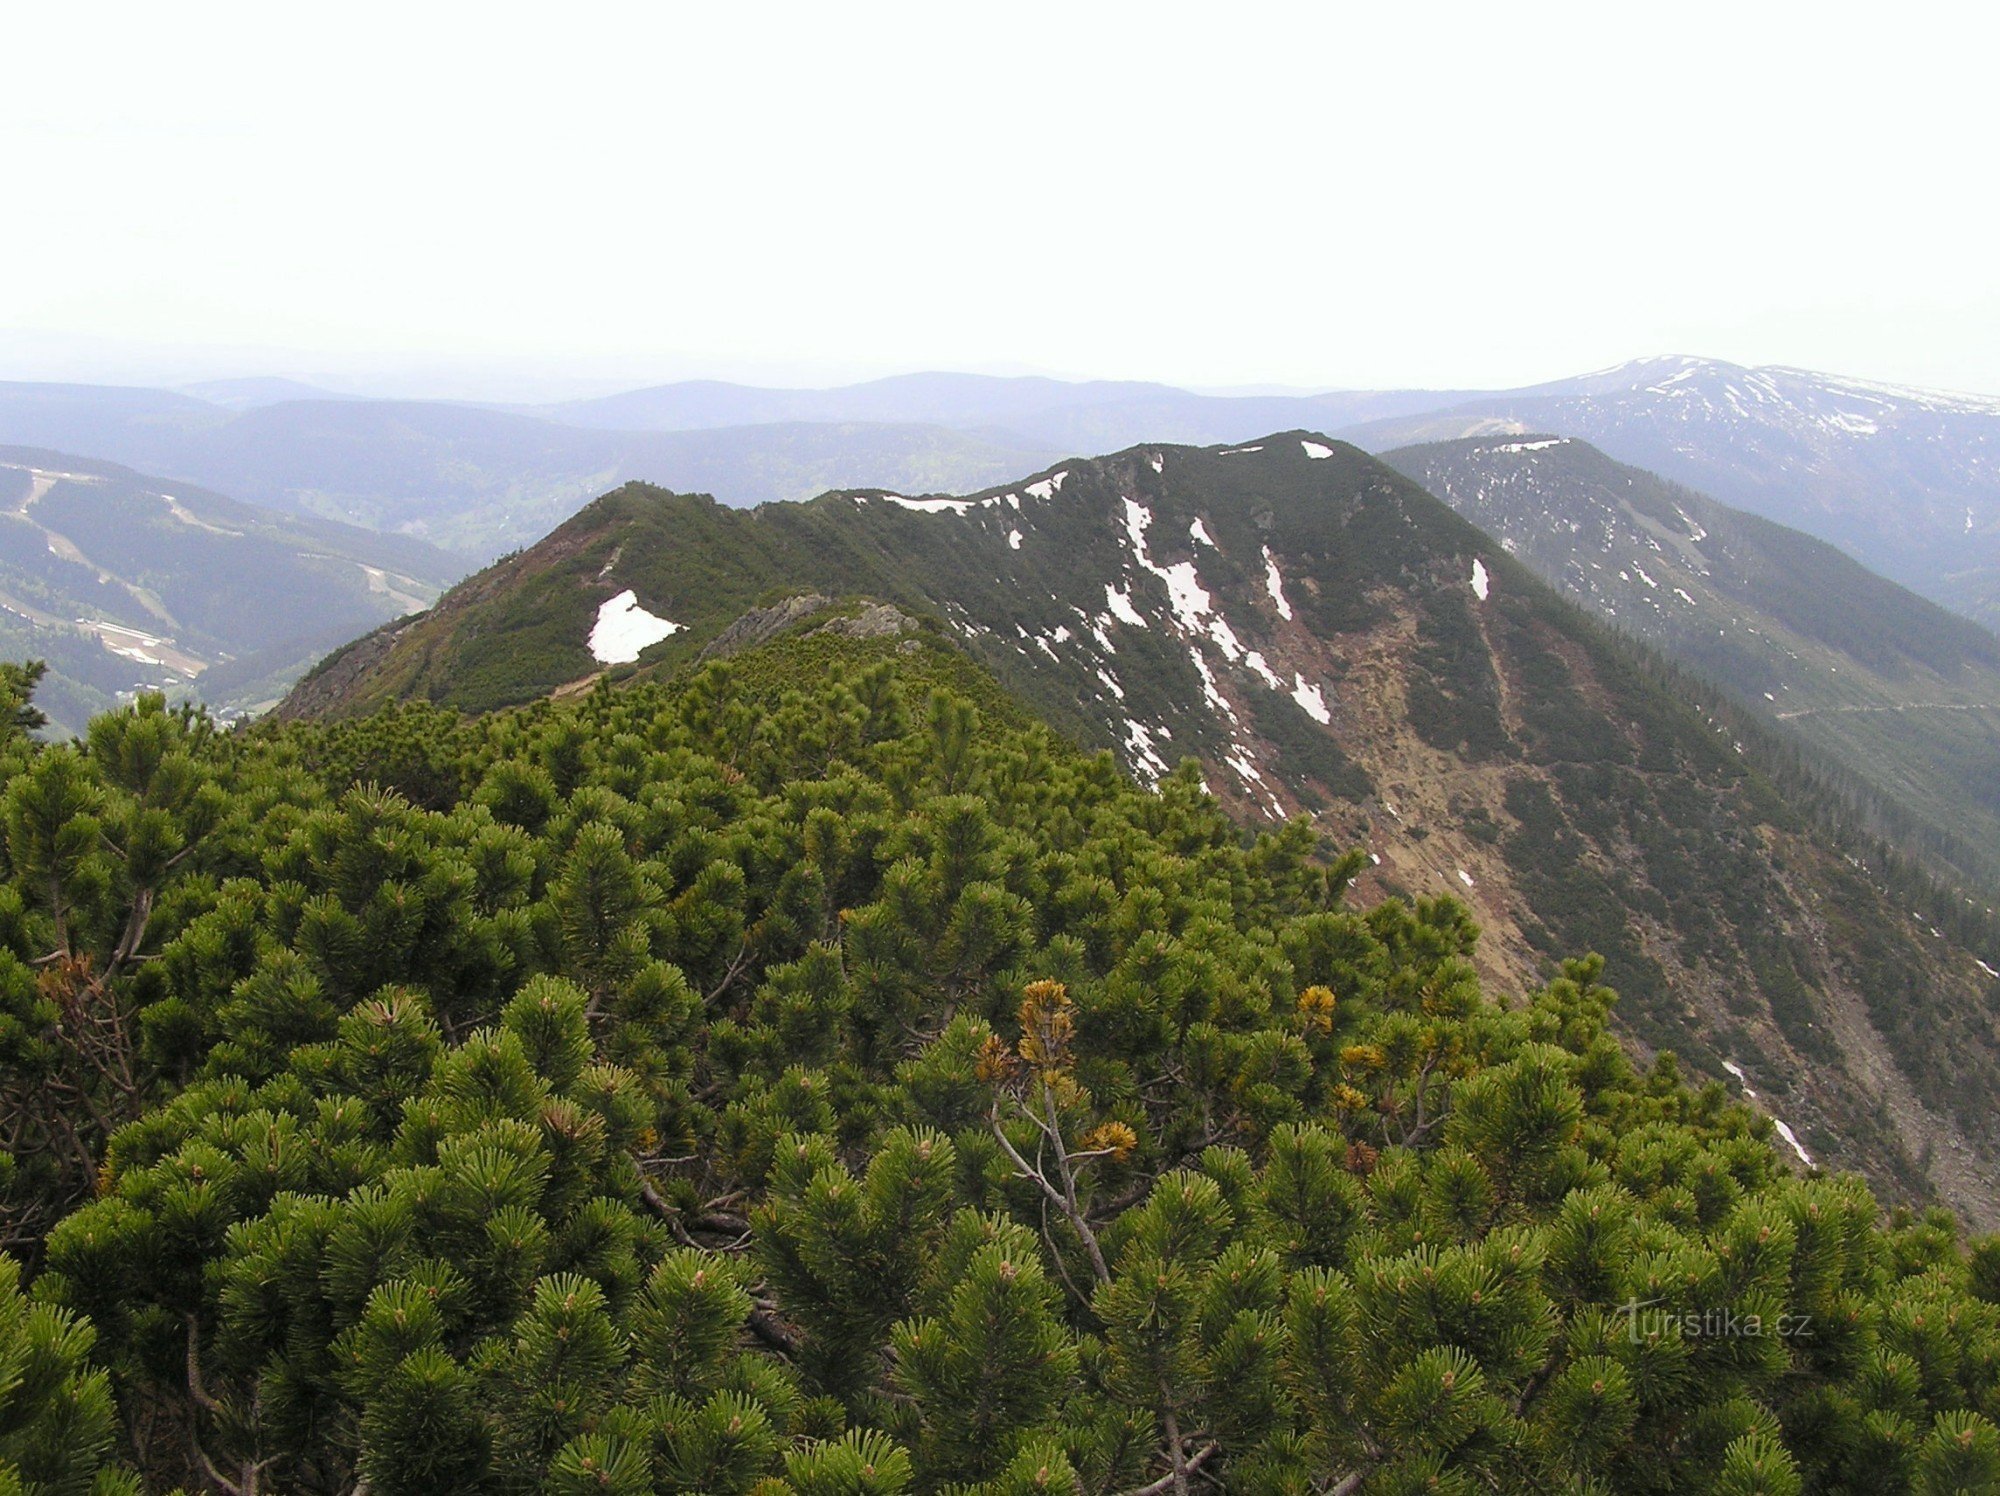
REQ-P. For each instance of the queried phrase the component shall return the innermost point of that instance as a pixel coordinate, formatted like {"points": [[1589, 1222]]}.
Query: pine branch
{"points": [[208, 1468], [1176, 1455], [196, 1388], [729, 977], [767, 1327], [1055, 1256], [1064, 1200], [1193, 1463]]}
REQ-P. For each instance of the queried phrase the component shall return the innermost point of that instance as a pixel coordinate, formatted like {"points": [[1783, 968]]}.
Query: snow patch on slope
{"points": [[1245, 770], [1119, 601], [1275, 585], [623, 629], [1481, 583], [1185, 594], [1210, 691], [1784, 1131], [1145, 758], [1311, 699], [1225, 639], [930, 506], [1791, 1137]]}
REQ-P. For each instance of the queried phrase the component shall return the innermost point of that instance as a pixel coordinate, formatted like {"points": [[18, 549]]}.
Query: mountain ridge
{"points": [[1330, 641]]}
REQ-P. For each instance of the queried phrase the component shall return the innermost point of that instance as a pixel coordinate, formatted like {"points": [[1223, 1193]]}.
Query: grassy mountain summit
{"points": [[1326, 639], [1902, 694]]}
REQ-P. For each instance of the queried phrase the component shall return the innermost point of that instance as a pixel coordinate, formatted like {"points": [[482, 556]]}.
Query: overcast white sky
{"points": [[1325, 195]]}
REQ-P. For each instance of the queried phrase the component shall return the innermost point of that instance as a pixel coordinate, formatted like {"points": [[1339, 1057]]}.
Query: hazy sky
{"points": [[1323, 195]]}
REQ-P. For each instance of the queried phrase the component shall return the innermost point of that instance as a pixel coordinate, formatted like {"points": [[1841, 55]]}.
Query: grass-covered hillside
{"points": [[1327, 639], [812, 1075], [122, 582]]}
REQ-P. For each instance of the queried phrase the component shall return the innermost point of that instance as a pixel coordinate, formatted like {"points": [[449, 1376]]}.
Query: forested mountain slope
{"points": [[123, 583], [1326, 638], [1899, 692], [814, 1077]]}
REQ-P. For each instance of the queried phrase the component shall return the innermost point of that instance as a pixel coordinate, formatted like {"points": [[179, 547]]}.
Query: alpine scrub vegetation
{"points": [[814, 1077], [1327, 638]]}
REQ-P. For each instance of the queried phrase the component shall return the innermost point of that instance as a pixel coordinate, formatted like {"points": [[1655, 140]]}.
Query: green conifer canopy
{"points": [[816, 1077]]}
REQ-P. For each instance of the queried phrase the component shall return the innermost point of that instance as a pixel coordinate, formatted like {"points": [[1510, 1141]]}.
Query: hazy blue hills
{"points": [[1053, 413], [478, 481], [243, 394], [118, 422], [471, 479]]}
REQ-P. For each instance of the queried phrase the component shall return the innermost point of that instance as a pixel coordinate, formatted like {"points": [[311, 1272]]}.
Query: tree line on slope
{"points": [[800, 1079]]}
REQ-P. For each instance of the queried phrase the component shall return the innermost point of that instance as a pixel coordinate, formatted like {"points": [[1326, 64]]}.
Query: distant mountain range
{"points": [[1895, 690], [1897, 477], [1904, 480], [470, 479], [247, 394], [1908, 481], [1328, 640], [1058, 416], [121, 582]]}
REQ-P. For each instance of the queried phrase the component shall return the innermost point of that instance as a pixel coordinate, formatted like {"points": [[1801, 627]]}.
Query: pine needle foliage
{"points": [[817, 1082]]}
